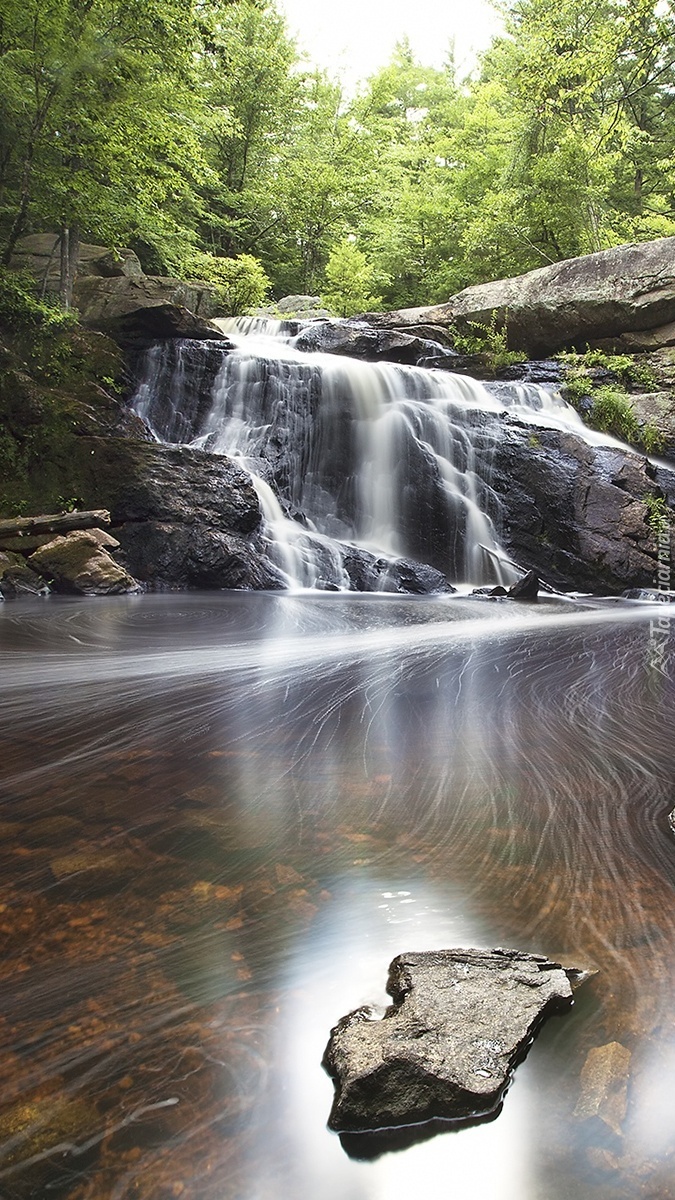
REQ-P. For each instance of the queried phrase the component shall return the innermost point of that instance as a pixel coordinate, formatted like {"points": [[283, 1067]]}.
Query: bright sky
{"points": [[355, 37]]}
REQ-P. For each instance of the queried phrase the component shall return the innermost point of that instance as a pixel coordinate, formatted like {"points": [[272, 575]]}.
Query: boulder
{"points": [[174, 555], [369, 573], [145, 481], [624, 290], [359, 340], [148, 308], [526, 588], [79, 563], [459, 1023], [577, 513], [39, 254]]}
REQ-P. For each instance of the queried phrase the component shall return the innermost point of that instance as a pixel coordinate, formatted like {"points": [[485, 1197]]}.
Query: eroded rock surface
{"points": [[459, 1023], [622, 290], [80, 562]]}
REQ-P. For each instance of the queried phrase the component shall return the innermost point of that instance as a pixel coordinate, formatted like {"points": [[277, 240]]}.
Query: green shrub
{"points": [[241, 282], [612, 412], [489, 340], [652, 439], [626, 368], [658, 514], [20, 309]]}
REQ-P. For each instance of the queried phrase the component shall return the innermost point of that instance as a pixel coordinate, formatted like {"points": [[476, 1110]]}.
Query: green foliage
{"points": [[659, 517], [21, 311], [626, 368], [652, 439], [612, 412], [241, 282], [490, 341], [183, 127], [350, 280]]}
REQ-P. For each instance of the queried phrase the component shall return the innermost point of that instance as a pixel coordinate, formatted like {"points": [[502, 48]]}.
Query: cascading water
{"points": [[395, 460]]}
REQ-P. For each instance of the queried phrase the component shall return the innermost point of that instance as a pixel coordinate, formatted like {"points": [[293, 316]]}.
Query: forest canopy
{"points": [[192, 129]]}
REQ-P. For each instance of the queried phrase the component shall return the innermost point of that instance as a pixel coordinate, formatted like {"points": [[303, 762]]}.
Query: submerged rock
{"points": [[604, 1086], [460, 1022]]}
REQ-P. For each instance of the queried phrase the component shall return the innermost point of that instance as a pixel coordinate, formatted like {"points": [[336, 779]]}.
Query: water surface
{"points": [[223, 815]]}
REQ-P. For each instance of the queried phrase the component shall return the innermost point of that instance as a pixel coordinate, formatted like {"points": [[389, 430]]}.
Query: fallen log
{"points": [[98, 518]]}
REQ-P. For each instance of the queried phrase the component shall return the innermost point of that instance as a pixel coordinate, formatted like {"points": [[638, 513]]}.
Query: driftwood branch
{"points": [[55, 523]]}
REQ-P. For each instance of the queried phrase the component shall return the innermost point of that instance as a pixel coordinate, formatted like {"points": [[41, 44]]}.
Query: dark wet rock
{"points": [[140, 481], [368, 573], [497, 592], [577, 514], [604, 1086], [17, 578], [622, 290], [80, 563], [650, 594], [459, 1023], [162, 553], [526, 588], [358, 340]]}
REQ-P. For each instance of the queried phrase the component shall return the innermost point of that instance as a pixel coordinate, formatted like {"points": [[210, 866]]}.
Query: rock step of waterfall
{"points": [[391, 459]]}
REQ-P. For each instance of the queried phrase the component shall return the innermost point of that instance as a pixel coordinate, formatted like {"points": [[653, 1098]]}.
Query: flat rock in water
{"points": [[459, 1023]]}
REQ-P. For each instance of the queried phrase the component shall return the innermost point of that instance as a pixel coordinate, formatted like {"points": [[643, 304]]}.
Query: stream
{"points": [[224, 814]]}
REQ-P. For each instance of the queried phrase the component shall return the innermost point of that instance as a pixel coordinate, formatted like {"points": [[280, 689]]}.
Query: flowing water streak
{"points": [[422, 773], [393, 459]]}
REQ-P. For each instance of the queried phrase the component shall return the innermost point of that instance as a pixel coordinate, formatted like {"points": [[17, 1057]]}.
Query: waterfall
{"points": [[391, 459]]}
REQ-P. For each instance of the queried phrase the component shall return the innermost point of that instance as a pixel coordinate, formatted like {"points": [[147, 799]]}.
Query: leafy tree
{"points": [[242, 282], [350, 279]]}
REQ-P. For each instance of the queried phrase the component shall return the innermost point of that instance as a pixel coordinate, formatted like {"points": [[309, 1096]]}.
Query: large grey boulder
{"points": [[81, 562], [604, 295], [148, 308], [357, 339], [111, 292], [459, 1023], [39, 254]]}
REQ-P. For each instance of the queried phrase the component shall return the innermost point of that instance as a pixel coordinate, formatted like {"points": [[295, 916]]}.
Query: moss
{"points": [[54, 386]]}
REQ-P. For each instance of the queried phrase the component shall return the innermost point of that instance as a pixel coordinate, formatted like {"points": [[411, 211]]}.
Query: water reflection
{"points": [[222, 817]]}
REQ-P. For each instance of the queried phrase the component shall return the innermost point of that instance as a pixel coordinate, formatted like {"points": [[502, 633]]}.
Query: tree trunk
{"points": [[70, 246], [55, 523]]}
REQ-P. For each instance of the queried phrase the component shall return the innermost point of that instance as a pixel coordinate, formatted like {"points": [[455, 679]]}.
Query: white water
{"points": [[395, 460]]}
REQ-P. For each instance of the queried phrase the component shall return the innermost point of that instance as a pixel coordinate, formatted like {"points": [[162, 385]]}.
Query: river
{"points": [[224, 814]]}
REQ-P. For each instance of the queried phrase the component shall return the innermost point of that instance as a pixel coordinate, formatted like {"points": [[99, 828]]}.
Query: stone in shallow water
{"points": [[604, 1085], [460, 1021]]}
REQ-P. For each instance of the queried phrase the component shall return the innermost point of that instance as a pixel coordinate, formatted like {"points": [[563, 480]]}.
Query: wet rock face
{"points": [[577, 514], [459, 1023], [359, 340]]}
